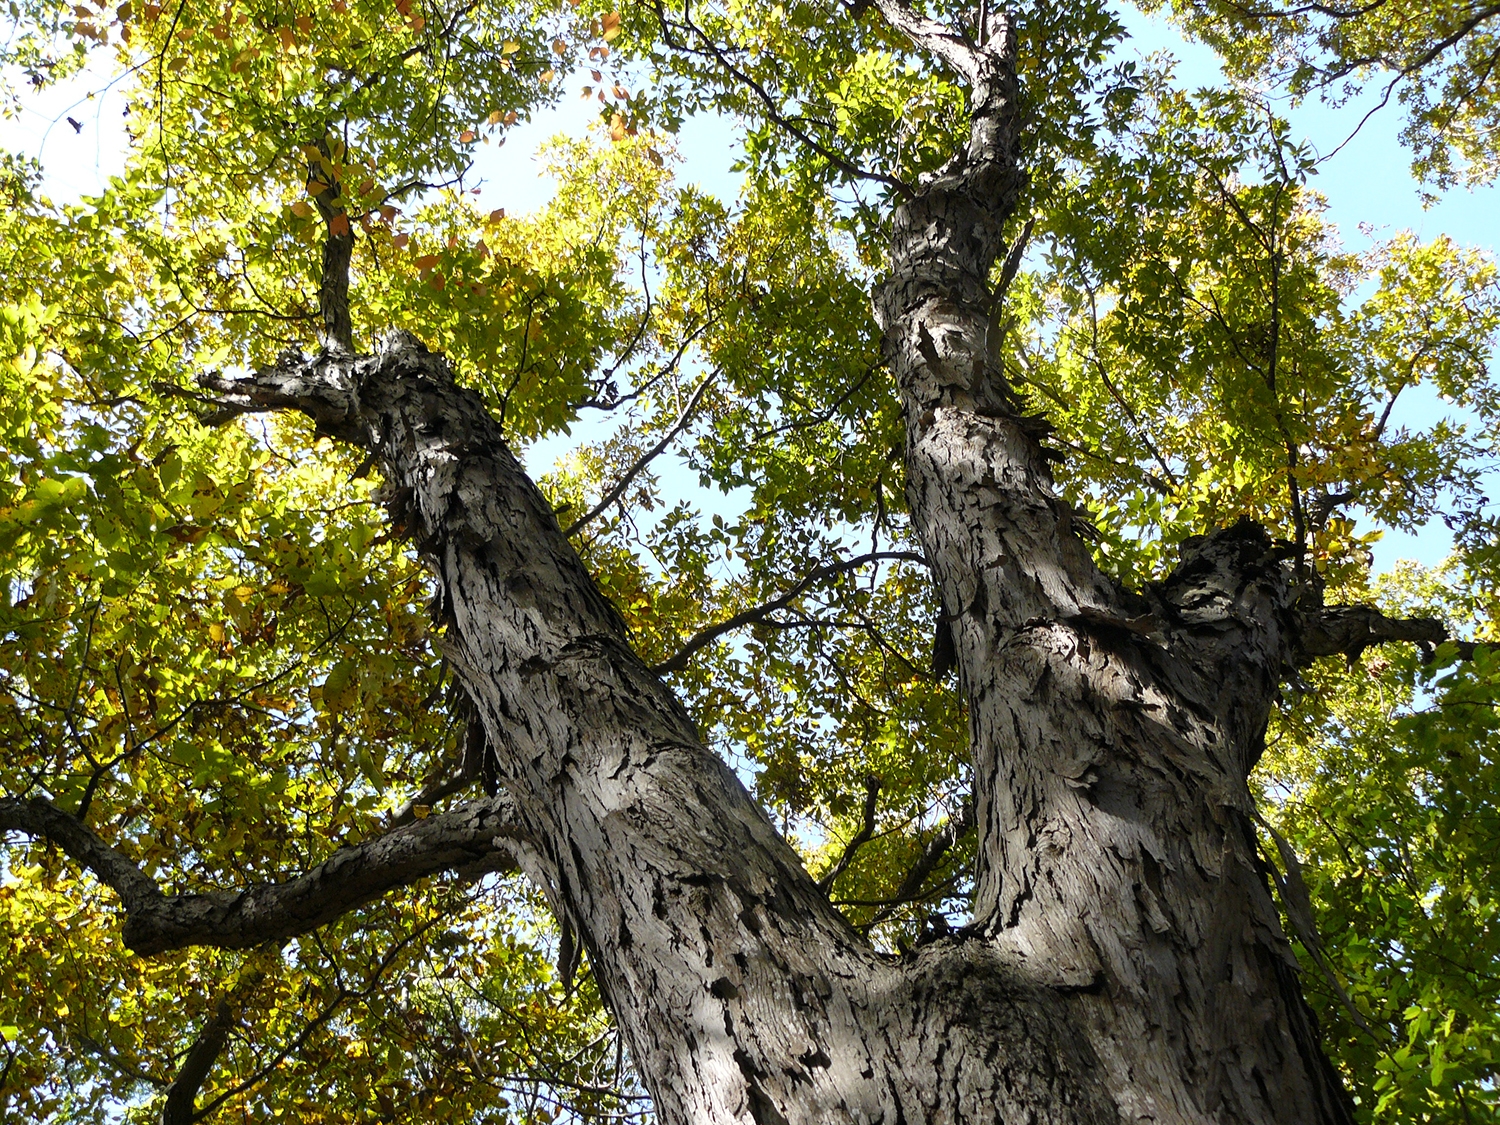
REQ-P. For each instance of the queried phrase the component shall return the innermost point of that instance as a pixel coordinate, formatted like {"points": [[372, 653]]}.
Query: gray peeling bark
{"points": [[1125, 961], [743, 994], [1112, 733]]}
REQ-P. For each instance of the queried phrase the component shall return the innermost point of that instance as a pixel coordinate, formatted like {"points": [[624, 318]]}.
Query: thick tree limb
{"points": [[181, 1105], [481, 833], [707, 635], [335, 326], [942, 40], [1350, 629]]}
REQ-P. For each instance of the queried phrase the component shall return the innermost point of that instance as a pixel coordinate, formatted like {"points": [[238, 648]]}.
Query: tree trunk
{"points": [[1125, 960]]}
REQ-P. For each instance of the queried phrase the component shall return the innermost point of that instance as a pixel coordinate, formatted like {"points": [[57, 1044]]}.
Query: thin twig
{"points": [[706, 636]]}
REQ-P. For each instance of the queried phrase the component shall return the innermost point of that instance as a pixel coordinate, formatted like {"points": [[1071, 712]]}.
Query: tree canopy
{"points": [[222, 659]]}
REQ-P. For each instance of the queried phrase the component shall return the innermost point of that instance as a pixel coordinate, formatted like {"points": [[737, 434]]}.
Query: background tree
{"points": [[238, 700]]}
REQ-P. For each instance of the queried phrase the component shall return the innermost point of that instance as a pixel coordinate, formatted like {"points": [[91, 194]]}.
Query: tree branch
{"points": [[860, 838], [1350, 629], [1299, 911], [706, 636], [645, 459], [335, 328], [182, 1094], [939, 846], [948, 45], [264, 912]]}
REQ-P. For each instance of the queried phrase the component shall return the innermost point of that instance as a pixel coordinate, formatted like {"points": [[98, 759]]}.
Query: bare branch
{"points": [[939, 846], [646, 458], [711, 49], [481, 832], [706, 636], [859, 839]]}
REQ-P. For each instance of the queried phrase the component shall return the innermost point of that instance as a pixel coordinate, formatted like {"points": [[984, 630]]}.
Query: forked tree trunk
{"points": [[1125, 961]]}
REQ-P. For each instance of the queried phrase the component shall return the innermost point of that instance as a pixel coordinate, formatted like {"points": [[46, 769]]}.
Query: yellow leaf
{"points": [[548, 74], [216, 633], [421, 811], [494, 118], [611, 24], [244, 593], [509, 47]]}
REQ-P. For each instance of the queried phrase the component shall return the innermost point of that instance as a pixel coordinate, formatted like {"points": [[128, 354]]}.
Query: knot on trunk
{"points": [[1229, 579]]}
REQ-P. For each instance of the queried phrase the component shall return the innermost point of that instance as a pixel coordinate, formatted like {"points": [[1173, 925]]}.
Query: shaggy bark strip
{"points": [[1112, 733]]}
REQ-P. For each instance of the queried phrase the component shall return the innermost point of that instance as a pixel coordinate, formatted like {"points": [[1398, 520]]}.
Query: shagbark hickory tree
{"points": [[271, 621]]}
